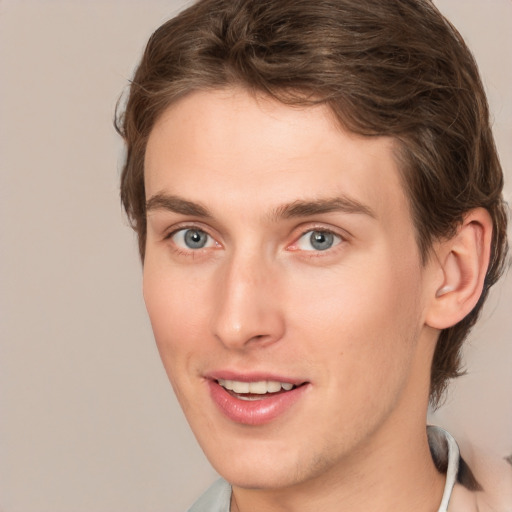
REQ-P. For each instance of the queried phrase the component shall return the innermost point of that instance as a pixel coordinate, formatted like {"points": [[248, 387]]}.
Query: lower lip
{"points": [[254, 412]]}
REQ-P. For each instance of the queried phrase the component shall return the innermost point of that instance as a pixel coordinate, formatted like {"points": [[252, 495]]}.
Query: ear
{"points": [[463, 262]]}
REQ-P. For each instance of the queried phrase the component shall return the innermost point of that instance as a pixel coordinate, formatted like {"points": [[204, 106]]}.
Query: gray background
{"points": [[88, 421]]}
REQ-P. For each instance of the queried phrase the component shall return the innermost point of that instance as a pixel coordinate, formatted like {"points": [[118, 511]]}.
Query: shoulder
{"points": [[217, 498], [483, 482], [494, 476]]}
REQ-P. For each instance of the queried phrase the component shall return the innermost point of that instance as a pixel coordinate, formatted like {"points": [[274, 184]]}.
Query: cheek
{"points": [[362, 321], [389, 313], [174, 298], [177, 307]]}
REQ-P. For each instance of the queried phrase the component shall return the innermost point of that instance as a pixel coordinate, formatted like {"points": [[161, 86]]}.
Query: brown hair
{"points": [[384, 67]]}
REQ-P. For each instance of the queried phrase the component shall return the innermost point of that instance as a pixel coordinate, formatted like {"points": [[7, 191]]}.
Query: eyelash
{"points": [[184, 229], [311, 253], [337, 240]]}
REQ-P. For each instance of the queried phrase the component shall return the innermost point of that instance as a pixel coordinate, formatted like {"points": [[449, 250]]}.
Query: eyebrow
{"points": [[294, 209], [177, 205], [308, 208]]}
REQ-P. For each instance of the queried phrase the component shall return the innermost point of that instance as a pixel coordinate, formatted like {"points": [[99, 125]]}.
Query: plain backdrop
{"points": [[88, 421]]}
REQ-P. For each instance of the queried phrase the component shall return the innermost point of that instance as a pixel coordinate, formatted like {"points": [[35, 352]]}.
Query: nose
{"points": [[248, 312]]}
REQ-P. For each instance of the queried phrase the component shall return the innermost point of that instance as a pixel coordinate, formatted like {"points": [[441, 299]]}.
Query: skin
{"points": [[352, 320]]}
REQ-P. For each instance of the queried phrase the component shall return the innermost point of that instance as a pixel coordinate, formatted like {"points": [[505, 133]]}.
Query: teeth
{"points": [[272, 386], [257, 388], [240, 387]]}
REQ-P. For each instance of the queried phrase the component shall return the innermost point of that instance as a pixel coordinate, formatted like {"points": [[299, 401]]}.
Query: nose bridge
{"points": [[247, 310]]}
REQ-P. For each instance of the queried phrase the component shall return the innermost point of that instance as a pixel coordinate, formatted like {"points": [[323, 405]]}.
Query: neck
{"points": [[385, 475]]}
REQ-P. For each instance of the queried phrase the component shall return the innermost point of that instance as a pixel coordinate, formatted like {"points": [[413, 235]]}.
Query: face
{"points": [[284, 286]]}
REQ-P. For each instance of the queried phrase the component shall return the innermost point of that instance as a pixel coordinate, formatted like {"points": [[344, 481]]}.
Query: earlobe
{"points": [[463, 261]]}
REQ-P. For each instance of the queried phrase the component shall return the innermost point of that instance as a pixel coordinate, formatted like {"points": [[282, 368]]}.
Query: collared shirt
{"points": [[443, 447]]}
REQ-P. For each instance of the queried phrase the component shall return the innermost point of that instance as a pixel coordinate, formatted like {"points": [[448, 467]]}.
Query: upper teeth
{"points": [[259, 388]]}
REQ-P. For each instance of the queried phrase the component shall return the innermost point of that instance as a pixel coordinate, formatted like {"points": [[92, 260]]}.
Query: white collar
{"points": [[444, 446]]}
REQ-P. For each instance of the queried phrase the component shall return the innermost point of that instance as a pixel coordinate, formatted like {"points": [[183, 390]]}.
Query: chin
{"points": [[261, 477], [260, 464]]}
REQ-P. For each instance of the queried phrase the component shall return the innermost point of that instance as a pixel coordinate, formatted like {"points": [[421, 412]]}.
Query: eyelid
{"points": [[341, 235], [303, 230], [188, 226], [183, 226]]}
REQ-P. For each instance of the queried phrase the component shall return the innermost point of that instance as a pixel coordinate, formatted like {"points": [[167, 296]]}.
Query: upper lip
{"points": [[252, 376]]}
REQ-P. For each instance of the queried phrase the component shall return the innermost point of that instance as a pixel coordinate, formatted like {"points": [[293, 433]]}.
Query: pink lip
{"points": [[253, 412]]}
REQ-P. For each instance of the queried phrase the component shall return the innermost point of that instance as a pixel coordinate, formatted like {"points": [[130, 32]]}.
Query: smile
{"points": [[255, 390], [256, 402]]}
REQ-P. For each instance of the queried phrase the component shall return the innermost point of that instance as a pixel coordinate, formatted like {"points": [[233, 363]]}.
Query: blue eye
{"points": [[318, 241], [192, 239]]}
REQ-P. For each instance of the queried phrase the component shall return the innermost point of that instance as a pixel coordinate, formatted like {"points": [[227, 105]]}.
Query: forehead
{"points": [[232, 147]]}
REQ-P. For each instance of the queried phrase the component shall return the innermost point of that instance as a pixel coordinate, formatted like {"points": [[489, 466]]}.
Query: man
{"points": [[317, 198]]}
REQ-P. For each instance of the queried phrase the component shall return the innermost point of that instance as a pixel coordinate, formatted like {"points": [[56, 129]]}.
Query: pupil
{"points": [[321, 240], [195, 239]]}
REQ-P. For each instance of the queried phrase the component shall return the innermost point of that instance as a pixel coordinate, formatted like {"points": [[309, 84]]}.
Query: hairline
{"points": [[299, 98]]}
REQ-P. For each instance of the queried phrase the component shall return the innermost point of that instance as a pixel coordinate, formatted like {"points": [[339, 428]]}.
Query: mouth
{"points": [[258, 390], [254, 401]]}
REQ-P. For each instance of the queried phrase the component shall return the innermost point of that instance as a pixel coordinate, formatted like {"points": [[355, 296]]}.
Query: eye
{"points": [[317, 240], [192, 239]]}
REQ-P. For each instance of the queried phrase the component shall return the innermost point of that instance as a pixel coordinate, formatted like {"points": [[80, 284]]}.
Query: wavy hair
{"points": [[384, 67]]}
